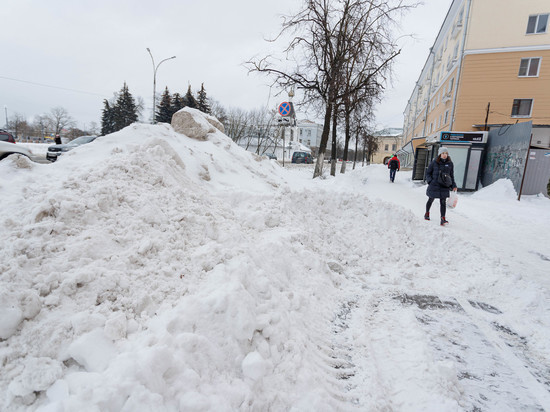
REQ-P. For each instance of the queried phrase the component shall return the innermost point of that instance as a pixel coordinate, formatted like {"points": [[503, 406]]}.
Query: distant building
{"points": [[389, 142], [489, 66], [309, 134], [274, 146]]}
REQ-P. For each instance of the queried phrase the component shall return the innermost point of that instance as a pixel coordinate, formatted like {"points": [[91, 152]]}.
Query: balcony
{"points": [[451, 63], [457, 28]]}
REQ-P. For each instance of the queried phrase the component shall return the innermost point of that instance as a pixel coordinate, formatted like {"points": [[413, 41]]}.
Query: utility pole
{"points": [[487, 115]]}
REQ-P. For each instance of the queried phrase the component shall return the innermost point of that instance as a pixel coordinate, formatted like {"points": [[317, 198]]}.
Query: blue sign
{"points": [[285, 109], [461, 137]]}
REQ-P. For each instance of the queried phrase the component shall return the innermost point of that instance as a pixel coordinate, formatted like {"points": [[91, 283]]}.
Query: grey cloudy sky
{"points": [[88, 49]]}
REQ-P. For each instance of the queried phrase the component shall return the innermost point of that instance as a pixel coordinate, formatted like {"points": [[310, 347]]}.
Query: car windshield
{"points": [[81, 140]]}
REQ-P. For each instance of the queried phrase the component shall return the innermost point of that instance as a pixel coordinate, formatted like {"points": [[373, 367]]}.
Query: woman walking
{"points": [[440, 177]]}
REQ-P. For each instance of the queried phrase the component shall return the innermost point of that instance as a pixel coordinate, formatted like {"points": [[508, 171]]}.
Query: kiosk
{"points": [[466, 151]]}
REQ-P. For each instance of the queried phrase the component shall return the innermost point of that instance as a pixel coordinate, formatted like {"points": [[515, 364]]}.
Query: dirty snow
{"points": [[149, 271]]}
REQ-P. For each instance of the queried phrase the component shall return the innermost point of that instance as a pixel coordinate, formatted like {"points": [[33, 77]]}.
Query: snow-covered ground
{"points": [[148, 271], [37, 149]]}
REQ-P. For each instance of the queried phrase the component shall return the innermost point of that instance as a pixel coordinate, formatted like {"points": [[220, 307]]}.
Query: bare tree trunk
{"points": [[324, 140], [364, 149], [333, 160], [348, 137], [356, 147]]}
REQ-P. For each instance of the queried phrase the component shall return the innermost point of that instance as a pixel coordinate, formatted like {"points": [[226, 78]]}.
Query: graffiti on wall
{"points": [[505, 154], [507, 162]]}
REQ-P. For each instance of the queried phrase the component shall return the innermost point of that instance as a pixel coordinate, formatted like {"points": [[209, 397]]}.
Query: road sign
{"points": [[285, 109]]}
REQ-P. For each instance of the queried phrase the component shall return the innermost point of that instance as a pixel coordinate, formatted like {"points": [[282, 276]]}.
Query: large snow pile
{"points": [[151, 271]]}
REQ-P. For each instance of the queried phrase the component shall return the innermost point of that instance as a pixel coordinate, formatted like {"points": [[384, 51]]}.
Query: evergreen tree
{"points": [[178, 102], [164, 109], [125, 109], [107, 119], [189, 100], [202, 100]]}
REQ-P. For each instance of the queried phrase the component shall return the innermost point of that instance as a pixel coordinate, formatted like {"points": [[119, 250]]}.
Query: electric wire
{"points": [[53, 87]]}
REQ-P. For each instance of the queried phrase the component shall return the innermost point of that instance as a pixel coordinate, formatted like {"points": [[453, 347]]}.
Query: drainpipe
{"points": [[429, 91], [466, 21]]}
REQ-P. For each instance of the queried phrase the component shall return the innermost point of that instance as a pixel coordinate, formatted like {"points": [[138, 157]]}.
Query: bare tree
{"points": [[40, 125], [330, 36], [59, 119], [93, 128], [370, 145], [262, 127], [218, 111], [18, 123], [236, 124]]}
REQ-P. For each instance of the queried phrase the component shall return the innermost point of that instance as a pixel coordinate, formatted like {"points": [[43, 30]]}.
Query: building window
{"points": [[522, 107], [446, 120], [386, 147], [529, 67], [301, 130], [451, 84], [309, 142], [393, 147], [309, 133], [537, 24]]}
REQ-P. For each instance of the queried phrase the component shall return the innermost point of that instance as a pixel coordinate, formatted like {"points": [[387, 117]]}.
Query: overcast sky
{"points": [[86, 50]]}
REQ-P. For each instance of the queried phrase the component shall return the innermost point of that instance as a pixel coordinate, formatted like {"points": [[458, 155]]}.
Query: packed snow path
{"points": [[150, 271]]}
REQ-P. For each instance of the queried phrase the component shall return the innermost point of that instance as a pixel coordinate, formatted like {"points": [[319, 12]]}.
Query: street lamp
{"points": [[155, 68]]}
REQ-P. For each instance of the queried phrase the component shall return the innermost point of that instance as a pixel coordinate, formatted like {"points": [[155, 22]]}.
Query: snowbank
{"points": [[153, 271], [501, 190]]}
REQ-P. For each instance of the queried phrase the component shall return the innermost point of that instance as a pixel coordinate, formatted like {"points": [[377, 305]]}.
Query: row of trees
{"points": [[58, 121], [259, 126], [341, 53], [170, 104], [123, 109]]}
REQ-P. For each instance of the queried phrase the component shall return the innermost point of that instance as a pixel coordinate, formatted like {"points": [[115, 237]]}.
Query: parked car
{"points": [[6, 137], [271, 156], [56, 150], [302, 157], [7, 149]]}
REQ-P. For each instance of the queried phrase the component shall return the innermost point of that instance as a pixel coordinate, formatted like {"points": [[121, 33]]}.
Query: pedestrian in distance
{"points": [[394, 165], [440, 177], [57, 139]]}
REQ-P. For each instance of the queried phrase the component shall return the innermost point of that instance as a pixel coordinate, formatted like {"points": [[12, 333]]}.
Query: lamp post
{"points": [[155, 68]]}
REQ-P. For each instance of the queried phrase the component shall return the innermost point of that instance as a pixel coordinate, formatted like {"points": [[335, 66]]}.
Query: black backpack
{"points": [[393, 164], [444, 179]]}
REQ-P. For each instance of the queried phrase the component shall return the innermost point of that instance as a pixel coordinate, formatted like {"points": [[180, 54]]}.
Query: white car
{"points": [[7, 149]]}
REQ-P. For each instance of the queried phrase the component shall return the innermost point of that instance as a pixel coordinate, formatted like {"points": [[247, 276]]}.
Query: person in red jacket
{"points": [[394, 165]]}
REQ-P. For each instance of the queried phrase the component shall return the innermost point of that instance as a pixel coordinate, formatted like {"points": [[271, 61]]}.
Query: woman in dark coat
{"points": [[440, 177]]}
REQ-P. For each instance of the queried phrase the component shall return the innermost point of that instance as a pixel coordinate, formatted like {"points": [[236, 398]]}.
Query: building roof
{"points": [[389, 132]]}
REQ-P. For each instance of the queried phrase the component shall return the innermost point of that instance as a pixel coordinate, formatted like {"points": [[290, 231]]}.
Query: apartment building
{"points": [[489, 66]]}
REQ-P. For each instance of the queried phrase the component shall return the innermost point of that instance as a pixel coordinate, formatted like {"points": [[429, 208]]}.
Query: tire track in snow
{"points": [[519, 367]]}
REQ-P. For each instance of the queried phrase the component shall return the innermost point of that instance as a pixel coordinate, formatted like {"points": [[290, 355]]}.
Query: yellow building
{"points": [[389, 141], [489, 66]]}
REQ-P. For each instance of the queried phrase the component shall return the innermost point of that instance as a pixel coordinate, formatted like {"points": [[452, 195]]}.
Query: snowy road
{"points": [[148, 271], [447, 341]]}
